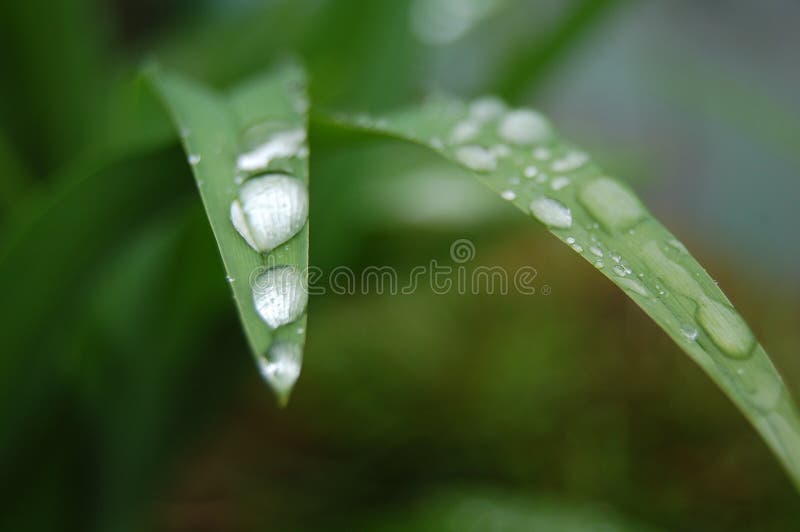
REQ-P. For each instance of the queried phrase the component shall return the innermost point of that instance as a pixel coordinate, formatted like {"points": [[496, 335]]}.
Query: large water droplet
{"points": [[476, 158], [672, 273], [726, 328], [270, 210], [278, 145], [524, 126], [551, 212], [611, 204], [279, 295], [281, 367]]}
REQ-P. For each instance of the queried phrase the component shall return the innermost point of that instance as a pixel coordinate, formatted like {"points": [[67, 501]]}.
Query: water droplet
{"points": [[633, 285], [509, 195], [524, 126], [577, 247], [572, 160], [596, 251], [530, 171], [542, 154], [611, 204], [486, 108], [559, 182], [464, 131], [677, 245], [570, 240], [620, 270], [279, 295], [437, 143], [672, 273], [726, 328], [281, 367], [513, 180], [501, 150], [279, 145], [193, 158], [599, 264], [476, 158], [689, 332], [270, 210], [551, 212]]}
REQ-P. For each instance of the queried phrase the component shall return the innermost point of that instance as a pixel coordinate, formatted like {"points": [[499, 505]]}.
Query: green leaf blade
{"points": [[214, 130], [518, 155]]}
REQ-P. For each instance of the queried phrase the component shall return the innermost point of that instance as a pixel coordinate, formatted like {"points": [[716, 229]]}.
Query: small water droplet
{"points": [[280, 145], [270, 210], [193, 158], [437, 143], [509, 195], [464, 131], [530, 171], [572, 160], [551, 212], [524, 126], [281, 367], [476, 158], [596, 251], [599, 264], [559, 182], [486, 108], [726, 328], [577, 247], [677, 245], [279, 295], [513, 180], [620, 270], [689, 332], [570, 240], [501, 150], [542, 154]]}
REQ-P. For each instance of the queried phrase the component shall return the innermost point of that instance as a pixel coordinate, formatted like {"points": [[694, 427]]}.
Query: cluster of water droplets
{"points": [[518, 153], [271, 207]]}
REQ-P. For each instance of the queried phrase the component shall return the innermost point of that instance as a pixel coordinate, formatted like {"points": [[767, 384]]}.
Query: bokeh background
{"points": [[128, 398]]}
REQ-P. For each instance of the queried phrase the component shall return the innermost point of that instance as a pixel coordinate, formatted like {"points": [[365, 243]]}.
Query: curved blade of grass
{"points": [[214, 129], [518, 155]]}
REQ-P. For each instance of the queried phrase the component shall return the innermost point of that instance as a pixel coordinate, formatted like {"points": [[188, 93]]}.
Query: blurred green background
{"points": [[128, 398]]}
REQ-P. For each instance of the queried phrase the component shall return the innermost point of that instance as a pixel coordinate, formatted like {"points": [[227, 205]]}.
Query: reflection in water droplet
{"points": [[524, 126], [726, 328], [281, 367], [611, 204], [280, 145], [279, 295], [270, 210], [551, 212], [476, 158]]}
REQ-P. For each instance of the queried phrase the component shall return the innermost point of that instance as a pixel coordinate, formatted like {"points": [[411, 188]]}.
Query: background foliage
{"points": [[128, 397]]}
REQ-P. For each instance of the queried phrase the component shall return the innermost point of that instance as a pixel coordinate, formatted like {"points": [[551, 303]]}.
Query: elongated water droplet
{"points": [[476, 158], [726, 328], [672, 273], [551, 212], [569, 162], [270, 210], [611, 204], [524, 126], [633, 285], [279, 295], [280, 145], [281, 367], [596, 251]]}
